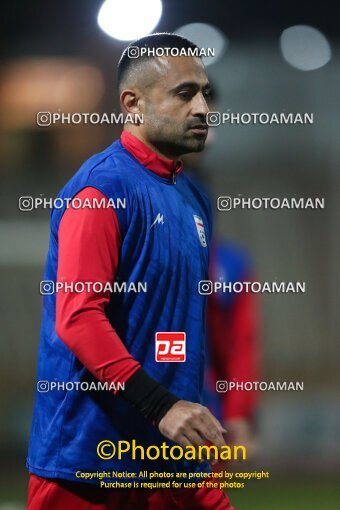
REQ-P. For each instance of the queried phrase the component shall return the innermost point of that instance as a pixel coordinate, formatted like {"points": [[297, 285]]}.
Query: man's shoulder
{"points": [[102, 170], [107, 173], [111, 161]]}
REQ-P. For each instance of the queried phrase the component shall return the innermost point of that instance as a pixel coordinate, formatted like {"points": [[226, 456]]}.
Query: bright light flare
{"points": [[305, 47], [127, 20]]}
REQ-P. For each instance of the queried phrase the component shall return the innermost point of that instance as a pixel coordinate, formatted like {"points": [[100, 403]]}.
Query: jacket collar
{"points": [[163, 167]]}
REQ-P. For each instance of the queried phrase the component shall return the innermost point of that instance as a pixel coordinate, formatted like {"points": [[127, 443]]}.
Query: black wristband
{"points": [[151, 398]]}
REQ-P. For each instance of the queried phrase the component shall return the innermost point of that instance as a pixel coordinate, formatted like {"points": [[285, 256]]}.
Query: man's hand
{"points": [[191, 424]]}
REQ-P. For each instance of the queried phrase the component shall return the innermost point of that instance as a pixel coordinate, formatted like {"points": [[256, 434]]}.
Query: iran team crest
{"points": [[200, 230]]}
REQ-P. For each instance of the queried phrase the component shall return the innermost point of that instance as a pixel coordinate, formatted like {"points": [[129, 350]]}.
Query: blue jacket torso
{"points": [[171, 255]]}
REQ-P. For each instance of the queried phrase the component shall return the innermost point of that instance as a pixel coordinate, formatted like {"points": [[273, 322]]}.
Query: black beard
{"points": [[184, 146]]}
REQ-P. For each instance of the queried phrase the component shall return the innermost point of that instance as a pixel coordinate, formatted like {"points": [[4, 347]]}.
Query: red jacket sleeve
{"points": [[242, 361], [89, 242], [235, 353]]}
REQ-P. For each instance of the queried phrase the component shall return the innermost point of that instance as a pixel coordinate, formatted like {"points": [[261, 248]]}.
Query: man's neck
{"points": [[137, 133]]}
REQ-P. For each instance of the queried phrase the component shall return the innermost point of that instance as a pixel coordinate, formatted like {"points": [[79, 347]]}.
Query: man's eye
{"points": [[185, 95]]}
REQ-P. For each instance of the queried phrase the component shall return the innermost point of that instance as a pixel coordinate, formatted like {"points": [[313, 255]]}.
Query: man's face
{"points": [[175, 106]]}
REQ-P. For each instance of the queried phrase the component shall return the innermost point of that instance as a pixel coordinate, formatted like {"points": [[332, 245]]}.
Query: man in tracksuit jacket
{"points": [[161, 238]]}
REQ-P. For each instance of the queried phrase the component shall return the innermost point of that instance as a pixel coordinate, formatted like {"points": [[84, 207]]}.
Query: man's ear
{"points": [[131, 101]]}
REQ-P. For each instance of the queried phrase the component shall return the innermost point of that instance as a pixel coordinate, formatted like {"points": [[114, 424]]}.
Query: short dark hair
{"points": [[157, 40]]}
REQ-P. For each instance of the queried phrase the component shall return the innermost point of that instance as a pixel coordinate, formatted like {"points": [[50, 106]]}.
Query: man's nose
{"points": [[199, 106]]}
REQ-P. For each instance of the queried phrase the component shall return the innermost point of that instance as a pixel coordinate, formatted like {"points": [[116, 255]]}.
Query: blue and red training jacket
{"points": [[165, 230]]}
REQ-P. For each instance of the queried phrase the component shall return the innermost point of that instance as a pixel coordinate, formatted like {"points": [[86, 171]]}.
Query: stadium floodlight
{"points": [[129, 20], [305, 47], [205, 36]]}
